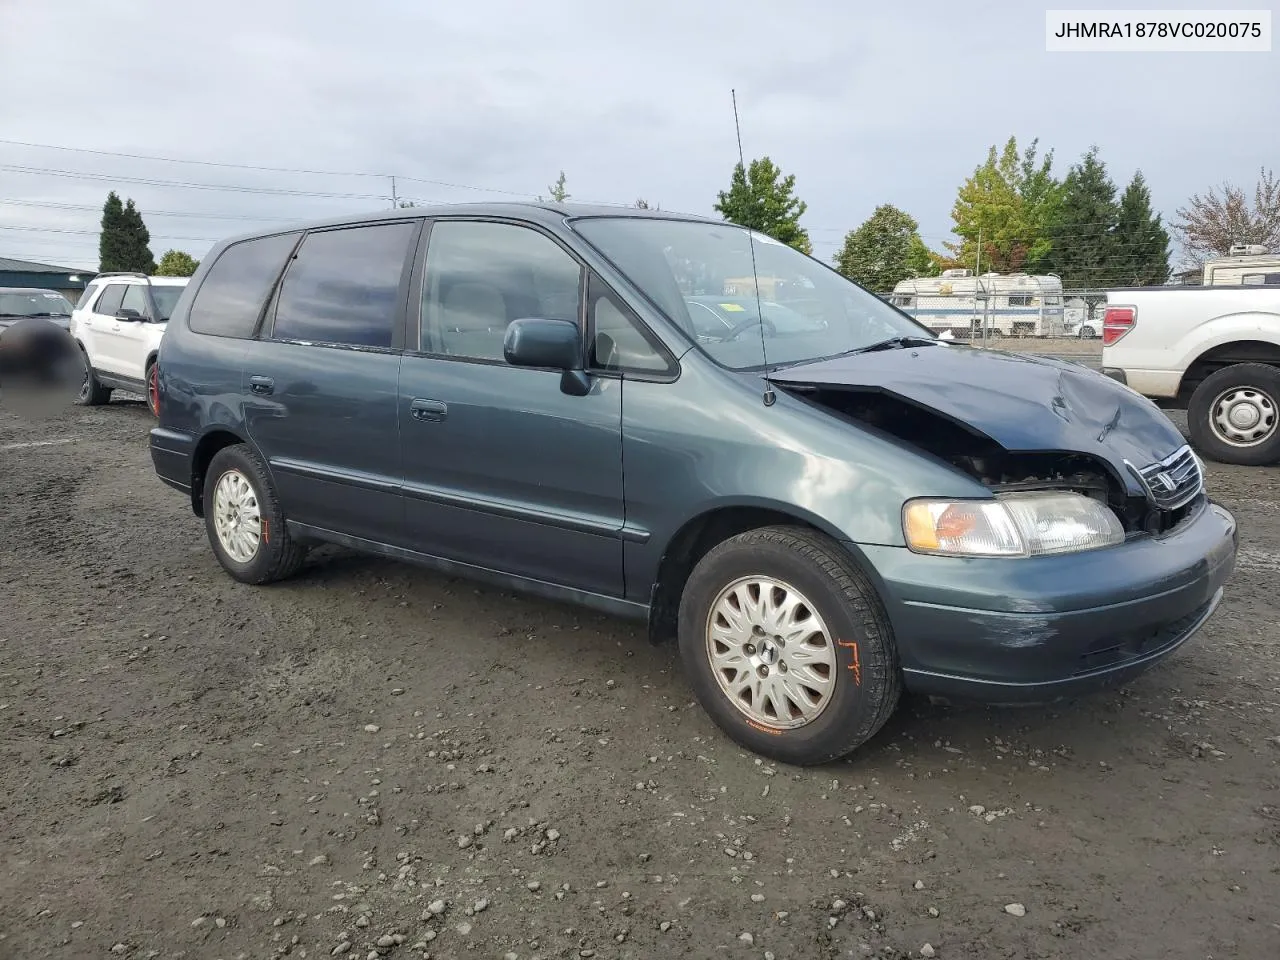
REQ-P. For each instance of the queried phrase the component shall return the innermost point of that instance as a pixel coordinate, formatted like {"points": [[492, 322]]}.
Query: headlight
{"points": [[1012, 525]]}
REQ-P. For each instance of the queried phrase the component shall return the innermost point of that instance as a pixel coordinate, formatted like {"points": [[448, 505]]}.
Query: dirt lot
{"points": [[372, 760]]}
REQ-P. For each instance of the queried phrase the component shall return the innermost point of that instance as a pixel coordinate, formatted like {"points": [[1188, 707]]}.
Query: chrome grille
{"points": [[1172, 482]]}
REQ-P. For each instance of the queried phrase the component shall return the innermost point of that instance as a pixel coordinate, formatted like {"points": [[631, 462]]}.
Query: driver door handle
{"points": [[263, 386], [428, 410]]}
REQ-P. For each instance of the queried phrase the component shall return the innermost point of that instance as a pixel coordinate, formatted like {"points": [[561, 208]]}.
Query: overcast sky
{"points": [[864, 103]]}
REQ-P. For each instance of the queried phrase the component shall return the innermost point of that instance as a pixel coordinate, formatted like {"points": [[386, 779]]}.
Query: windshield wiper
{"points": [[897, 343]]}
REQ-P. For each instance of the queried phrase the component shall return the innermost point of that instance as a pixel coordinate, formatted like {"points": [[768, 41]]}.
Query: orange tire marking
{"points": [[763, 729], [266, 531], [856, 666]]}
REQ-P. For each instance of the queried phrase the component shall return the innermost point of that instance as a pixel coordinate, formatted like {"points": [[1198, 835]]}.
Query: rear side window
{"points": [[109, 303], [85, 297], [232, 295], [343, 286]]}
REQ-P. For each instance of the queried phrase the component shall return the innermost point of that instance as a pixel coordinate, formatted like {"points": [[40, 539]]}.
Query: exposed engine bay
{"points": [[979, 456]]}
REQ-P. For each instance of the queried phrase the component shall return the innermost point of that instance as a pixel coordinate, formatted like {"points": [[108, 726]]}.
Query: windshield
{"points": [[700, 276], [166, 299], [34, 303]]}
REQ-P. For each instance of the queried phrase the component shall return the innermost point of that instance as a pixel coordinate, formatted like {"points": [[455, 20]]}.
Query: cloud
{"points": [[865, 105]]}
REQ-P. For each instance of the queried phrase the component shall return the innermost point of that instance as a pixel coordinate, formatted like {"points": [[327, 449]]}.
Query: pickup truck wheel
{"points": [[244, 521], [92, 392], [1234, 415], [787, 645]]}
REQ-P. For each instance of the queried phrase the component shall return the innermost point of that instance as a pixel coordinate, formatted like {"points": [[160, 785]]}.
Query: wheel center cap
{"points": [[768, 653], [1244, 415]]}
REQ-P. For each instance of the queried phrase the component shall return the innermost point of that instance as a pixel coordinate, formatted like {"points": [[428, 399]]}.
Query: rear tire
{"points": [[817, 628], [244, 520], [1234, 415], [153, 389], [92, 392]]}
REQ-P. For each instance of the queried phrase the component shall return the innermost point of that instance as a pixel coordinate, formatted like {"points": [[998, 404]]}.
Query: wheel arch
{"points": [[206, 448], [1224, 355], [712, 526]]}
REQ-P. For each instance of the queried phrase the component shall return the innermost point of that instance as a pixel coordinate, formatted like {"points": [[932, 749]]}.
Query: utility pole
{"points": [[395, 200]]}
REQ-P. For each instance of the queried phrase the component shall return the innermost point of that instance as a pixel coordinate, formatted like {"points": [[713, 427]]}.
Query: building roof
{"points": [[9, 265]]}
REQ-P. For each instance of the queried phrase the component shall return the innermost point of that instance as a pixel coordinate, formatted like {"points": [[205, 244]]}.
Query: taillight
{"points": [[1116, 322]]}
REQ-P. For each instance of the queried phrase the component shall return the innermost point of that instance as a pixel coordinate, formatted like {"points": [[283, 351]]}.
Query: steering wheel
{"points": [[746, 325]]}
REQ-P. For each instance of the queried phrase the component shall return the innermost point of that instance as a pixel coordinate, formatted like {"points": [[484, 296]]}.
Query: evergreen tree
{"points": [[884, 250], [1142, 243], [1083, 234], [761, 199], [111, 242], [124, 243]]}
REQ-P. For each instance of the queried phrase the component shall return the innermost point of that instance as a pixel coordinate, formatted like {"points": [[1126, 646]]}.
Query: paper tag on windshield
{"points": [[732, 308]]}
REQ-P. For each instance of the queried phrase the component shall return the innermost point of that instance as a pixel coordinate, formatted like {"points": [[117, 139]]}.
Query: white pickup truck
{"points": [[1213, 351]]}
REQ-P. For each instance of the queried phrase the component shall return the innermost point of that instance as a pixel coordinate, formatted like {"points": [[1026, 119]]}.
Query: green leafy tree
{"points": [[124, 243], [176, 263], [884, 250], [1008, 205], [761, 199], [922, 261], [1142, 243], [1085, 252], [557, 191]]}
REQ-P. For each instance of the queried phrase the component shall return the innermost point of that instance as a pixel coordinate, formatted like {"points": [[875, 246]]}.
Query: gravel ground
{"points": [[375, 761]]}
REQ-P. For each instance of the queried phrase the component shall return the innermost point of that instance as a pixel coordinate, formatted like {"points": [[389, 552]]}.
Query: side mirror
{"points": [[535, 342], [543, 343], [129, 314]]}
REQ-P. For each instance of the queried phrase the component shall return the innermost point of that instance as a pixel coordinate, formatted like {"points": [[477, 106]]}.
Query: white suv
{"points": [[118, 323]]}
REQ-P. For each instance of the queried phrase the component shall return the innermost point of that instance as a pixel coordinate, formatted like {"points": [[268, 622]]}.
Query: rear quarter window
{"points": [[235, 289]]}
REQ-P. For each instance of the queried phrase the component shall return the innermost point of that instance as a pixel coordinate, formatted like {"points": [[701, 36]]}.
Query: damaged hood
{"points": [[1022, 403]]}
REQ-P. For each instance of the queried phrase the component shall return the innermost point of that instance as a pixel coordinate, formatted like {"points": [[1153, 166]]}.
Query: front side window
{"points": [[342, 286], [619, 341], [135, 299], [109, 303], [701, 276], [234, 291], [480, 276]]}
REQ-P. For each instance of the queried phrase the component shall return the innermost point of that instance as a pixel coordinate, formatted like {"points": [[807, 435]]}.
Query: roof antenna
{"points": [[769, 396]]}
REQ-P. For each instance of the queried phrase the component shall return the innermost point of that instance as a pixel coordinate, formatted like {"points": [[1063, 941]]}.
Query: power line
{"points": [[265, 169], [157, 182], [94, 233], [89, 208]]}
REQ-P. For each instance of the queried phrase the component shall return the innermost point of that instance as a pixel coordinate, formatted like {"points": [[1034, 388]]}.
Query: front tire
{"points": [[244, 521], [787, 646], [1234, 415]]}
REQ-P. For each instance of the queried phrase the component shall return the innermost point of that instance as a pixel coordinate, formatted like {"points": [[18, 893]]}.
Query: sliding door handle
{"points": [[428, 410]]}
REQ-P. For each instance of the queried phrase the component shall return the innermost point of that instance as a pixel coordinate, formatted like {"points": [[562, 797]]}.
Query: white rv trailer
{"points": [[1005, 305], [1246, 264]]}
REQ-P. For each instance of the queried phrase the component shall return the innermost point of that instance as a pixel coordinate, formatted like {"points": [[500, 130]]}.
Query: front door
{"points": [[502, 469], [128, 337], [100, 337], [320, 386]]}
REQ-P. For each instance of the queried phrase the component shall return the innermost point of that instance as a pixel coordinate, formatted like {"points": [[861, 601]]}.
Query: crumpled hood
{"points": [[1022, 403]]}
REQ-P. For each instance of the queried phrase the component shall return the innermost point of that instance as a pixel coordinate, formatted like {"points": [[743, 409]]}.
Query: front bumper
{"points": [[1037, 630]]}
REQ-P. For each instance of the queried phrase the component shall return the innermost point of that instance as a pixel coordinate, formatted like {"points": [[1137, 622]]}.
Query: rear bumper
{"points": [[1115, 373], [171, 453], [1006, 631]]}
